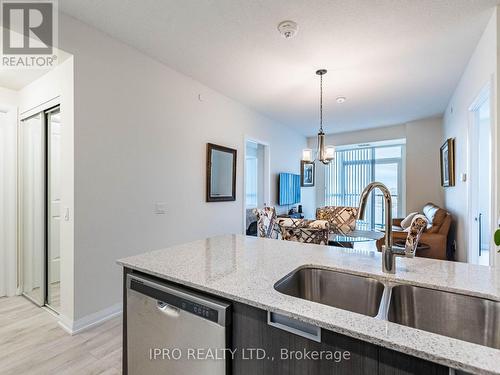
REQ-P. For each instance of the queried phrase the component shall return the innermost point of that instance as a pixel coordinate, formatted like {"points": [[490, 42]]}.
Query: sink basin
{"points": [[467, 318], [338, 289]]}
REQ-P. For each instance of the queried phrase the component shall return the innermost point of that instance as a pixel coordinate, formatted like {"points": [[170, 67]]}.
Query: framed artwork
{"points": [[307, 173], [447, 159]]}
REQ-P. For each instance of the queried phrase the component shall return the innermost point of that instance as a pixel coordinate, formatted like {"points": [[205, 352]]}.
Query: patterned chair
{"points": [[266, 223], [305, 231], [342, 219], [416, 229]]}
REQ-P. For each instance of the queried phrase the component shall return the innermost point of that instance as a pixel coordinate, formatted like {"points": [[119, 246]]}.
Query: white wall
{"points": [[423, 140], [481, 70], [140, 138], [8, 191], [423, 173]]}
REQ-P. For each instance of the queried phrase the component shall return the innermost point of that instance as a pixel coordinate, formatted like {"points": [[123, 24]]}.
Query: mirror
{"points": [[221, 173]]}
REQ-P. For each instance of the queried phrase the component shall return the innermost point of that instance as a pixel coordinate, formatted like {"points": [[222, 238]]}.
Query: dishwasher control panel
{"points": [[185, 304], [200, 310]]}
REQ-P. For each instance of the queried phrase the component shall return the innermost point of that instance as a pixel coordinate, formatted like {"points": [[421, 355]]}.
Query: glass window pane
{"points": [[387, 174], [354, 169], [251, 181]]}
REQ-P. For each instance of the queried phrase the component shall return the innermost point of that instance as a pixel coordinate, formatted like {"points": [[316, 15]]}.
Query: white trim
{"points": [[484, 94], [267, 174], [40, 108], [356, 146], [495, 183], [76, 326]]}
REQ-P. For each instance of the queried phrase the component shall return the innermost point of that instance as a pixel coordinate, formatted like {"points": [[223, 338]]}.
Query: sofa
{"points": [[435, 235]]}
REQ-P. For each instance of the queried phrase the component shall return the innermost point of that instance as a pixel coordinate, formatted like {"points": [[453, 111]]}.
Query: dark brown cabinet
{"points": [[250, 330]]}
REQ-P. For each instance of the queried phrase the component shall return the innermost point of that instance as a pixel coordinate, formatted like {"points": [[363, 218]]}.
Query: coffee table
{"points": [[348, 240]]}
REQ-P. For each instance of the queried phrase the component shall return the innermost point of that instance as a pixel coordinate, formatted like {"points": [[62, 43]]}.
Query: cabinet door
{"points": [[395, 363], [250, 330]]}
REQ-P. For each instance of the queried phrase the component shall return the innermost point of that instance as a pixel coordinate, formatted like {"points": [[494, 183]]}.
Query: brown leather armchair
{"points": [[435, 235]]}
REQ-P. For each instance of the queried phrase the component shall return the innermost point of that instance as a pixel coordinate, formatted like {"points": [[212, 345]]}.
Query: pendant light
{"points": [[325, 153]]}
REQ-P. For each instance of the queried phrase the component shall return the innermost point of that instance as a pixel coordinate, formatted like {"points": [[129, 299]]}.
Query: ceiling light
{"points": [[341, 99], [288, 29], [325, 153]]}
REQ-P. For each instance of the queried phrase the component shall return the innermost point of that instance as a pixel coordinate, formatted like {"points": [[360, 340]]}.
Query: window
{"points": [[355, 166], [251, 181]]}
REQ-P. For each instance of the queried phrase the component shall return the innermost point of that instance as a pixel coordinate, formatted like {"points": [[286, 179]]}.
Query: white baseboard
{"points": [[76, 326]]}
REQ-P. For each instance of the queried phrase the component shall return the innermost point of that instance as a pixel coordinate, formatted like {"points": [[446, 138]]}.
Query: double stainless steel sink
{"points": [[342, 290], [459, 316]]}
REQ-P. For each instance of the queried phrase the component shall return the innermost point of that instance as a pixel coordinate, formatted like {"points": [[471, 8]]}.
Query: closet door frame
{"points": [[42, 110]]}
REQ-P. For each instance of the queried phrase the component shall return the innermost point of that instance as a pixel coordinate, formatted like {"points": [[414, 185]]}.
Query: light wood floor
{"points": [[31, 342]]}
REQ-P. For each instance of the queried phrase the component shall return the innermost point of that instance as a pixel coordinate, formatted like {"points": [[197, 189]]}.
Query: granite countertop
{"points": [[245, 269]]}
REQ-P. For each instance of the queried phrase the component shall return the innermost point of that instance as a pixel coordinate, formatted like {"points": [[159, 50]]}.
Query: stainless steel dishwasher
{"points": [[173, 331]]}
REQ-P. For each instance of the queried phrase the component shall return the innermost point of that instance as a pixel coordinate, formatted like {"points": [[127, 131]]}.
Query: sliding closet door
{"points": [[32, 207], [53, 118]]}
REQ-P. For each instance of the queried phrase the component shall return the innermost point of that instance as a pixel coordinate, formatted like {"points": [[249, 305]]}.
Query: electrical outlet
{"points": [[160, 208]]}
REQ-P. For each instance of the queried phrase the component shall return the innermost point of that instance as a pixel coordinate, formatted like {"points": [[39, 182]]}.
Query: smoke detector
{"points": [[288, 29]]}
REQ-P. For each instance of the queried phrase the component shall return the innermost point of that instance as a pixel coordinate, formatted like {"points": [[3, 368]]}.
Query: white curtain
{"points": [[348, 176]]}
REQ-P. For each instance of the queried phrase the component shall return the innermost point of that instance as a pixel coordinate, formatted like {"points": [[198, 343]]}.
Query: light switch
{"points": [[463, 177], [66, 214], [160, 208]]}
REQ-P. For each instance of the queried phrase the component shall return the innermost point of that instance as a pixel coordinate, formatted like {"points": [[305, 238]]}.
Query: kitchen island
{"points": [[244, 270]]}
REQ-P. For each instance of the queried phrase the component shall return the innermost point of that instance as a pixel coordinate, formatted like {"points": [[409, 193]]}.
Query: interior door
{"points": [[32, 208]]}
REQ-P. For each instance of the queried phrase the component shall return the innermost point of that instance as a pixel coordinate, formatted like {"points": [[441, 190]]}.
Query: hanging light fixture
{"points": [[325, 153]]}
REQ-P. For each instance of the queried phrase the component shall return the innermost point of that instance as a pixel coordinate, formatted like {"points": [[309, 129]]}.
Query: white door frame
{"points": [[267, 174], [471, 227]]}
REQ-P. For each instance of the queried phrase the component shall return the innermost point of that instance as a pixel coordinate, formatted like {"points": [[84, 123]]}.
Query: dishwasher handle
{"points": [[167, 309]]}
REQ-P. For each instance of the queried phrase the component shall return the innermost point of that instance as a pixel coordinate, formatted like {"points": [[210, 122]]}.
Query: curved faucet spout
{"points": [[363, 201], [388, 262]]}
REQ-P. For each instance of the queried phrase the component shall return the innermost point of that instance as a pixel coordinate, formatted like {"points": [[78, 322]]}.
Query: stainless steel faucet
{"points": [[389, 253]]}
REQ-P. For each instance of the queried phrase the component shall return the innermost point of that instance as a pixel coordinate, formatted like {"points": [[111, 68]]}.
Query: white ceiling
{"points": [[395, 60], [16, 79]]}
